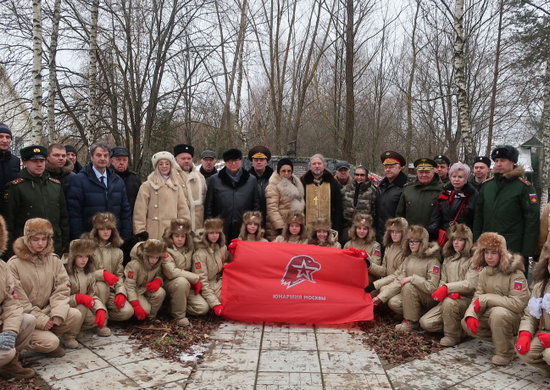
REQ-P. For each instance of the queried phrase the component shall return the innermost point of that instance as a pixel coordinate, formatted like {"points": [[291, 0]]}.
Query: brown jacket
{"points": [[138, 273], [194, 189], [157, 205], [281, 196], [11, 311], [42, 283]]}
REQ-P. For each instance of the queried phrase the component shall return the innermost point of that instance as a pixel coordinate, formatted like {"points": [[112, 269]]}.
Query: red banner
{"points": [[279, 282]]}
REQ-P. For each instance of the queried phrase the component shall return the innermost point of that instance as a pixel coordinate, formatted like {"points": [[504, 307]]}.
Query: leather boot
{"points": [[14, 369]]}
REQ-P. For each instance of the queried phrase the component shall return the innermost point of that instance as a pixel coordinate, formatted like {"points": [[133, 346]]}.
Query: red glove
{"points": [[86, 300], [119, 300], [154, 285], [454, 296], [473, 324], [197, 287], [233, 246], [440, 294], [110, 278], [523, 345], [477, 306], [100, 317], [139, 311], [218, 310], [544, 339]]}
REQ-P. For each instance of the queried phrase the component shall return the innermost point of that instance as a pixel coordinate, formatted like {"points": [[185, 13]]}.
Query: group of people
{"points": [[125, 244]]}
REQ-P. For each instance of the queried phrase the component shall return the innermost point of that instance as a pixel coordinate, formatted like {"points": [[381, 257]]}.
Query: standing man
{"points": [[323, 196], [35, 195], [119, 164], [482, 167], [420, 197], [442, 169], [10, 165], [231, 192], [59, 166], [208, 164], [71, 155], [508, 204], [193, 183], [260, 156], [97, 188], [342, 175], [389, 189]]}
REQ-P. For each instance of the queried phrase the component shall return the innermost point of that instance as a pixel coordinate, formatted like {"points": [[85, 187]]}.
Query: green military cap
{"points": [[425, 164], [34, 152], [389, 157]]}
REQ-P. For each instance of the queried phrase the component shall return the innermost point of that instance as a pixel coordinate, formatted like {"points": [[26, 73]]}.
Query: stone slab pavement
{"points": [[269, 356]]}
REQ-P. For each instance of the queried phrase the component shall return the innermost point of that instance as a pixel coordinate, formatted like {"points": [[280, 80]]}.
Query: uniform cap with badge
{"points": [[389, 157], [425, 164], [505, 151], [34, 152]]}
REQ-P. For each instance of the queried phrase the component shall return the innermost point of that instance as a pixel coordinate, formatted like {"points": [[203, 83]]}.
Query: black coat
{"points": [[262, 182], [132, 182], [10, 166], [229, 200], [387, 201]]}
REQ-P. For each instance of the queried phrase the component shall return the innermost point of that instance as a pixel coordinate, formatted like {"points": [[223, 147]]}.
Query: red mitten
{"points": [[523, 345], [477, 306], [218, 310], [197, 287], [440, 294], [233, 246], [544, 339], [119, 300], [454, 296], [86, 300], [154, 285], [110, 278], [100, 317], [473, 324], [139, 311]]}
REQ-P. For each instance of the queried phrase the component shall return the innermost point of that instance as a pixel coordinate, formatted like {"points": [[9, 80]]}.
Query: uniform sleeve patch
{"points": [[14, 295], [376, 252], [435, 269], [533, 198], [166, 255], [518, 285], [130, 274], [198, 265]]}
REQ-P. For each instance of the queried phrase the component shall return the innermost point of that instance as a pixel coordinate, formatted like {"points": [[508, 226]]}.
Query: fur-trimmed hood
{"points": [[83, 247], [181, 226], [427, 248], [105, 220], [3, 235], [252, 217], [459, 231], [307, 177], [509, 262], [515, 173], [64, 170], [33, 227], [540, 272], [362, 220], [152, 247], [397, 224]]}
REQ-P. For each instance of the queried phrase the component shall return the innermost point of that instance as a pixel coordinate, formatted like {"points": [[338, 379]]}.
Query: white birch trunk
{"points": [[52, 67], [36, 133], [545, 166], [92, 76]]}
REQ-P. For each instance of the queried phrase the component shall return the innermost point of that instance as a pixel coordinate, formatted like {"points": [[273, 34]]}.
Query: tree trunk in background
{"points": [[349, 129], [36, 134], [545, 169], [52, 67], [410, 84], [92, 75]]}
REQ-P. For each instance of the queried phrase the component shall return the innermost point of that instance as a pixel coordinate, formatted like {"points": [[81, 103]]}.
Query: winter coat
{"points": [[63, 174], [208, 262], [262, 182], [294, 239], [42, 283], [82, 282], [36, 197], [138, 272], [179, 264], [157, 205], [393, 258], [108, 258], [87, 196], [317, 206], [503, 286], [330, 242], [457, 274], [508, 205], [387, 201], [11, 310], [544, 230], [349, 180], [229, 200], [207, 175], [418, 201], [10, 166], [282, 195], [529, 321], [449, 202], [424, 270], [194, 189], [132, 182], [358, 198], [372, 248]]}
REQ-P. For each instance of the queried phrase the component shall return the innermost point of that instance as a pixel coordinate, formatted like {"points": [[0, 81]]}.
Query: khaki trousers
{"points": [[537, 356], [28, 323], [46, 340], [107, 296], [152, 301], [183, 300], [446, 317]]}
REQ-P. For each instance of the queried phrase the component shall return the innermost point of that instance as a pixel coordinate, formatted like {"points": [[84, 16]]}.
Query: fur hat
{"points": [[397, 224], [81, 247], [36, 226], [322, 223], [458, 231], [213, 225], [102, 221], [294, 217], [153, 247], [427, 248], [509, 262], [362, 220], [178, 226], [163, 156], [252, 217], [3, 235]]}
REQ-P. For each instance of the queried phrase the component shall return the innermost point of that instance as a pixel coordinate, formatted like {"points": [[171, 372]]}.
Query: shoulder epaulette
{"points": [[524, 181], [54, 180], [17, 181]]}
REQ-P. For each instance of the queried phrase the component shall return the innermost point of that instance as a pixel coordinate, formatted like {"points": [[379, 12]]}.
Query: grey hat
{"points": [[119, 151], [341, 164], [208, 154]]}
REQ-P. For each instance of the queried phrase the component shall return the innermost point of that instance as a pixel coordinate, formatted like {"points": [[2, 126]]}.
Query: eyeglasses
{"points": [[360, 174], [414, 242]]}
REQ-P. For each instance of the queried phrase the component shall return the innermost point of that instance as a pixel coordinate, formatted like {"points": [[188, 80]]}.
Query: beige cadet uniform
{"points": [[208, 262], [503, 294], [36, 276], [138, 273], [393, 258], [194, 189]]}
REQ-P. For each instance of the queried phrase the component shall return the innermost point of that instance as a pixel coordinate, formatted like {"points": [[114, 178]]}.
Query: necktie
{"points": [[102, 178]]}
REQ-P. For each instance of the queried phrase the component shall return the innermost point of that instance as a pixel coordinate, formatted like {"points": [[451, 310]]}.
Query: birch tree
{"points": [[37, 118], [52, 72]]}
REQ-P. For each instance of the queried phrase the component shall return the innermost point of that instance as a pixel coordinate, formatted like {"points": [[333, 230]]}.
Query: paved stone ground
{"points": [[279, 357]]}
